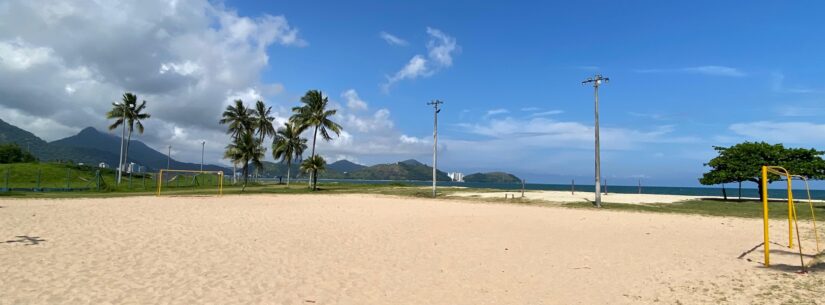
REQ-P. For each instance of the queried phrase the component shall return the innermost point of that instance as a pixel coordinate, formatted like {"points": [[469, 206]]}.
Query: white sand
{"points": [[567, 196], [364, 249]]}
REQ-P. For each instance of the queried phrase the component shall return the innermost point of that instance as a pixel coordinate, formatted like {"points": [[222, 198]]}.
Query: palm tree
{"points": [[314, 114], [246, 148], [262, 120], [288, 146], [314, 165], [134, 117], [239, 119], [119, 113]]}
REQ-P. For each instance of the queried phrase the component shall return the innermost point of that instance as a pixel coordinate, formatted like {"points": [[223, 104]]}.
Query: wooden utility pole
{"points": [[597, 80], [436, 109]]}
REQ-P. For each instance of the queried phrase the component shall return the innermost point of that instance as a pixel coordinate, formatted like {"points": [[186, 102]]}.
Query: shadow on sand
{"points": [[26, 240]]}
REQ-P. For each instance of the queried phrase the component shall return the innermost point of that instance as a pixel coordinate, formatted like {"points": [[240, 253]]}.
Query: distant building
{"points": [[456, 176], [103, 165], [132, 167]]}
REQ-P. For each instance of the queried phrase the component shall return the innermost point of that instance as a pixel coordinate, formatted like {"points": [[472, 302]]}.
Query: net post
{"points": [[160, 176], [791, 210], [766, 244]]}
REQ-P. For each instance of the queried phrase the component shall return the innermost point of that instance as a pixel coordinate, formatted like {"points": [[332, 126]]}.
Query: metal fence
{"points": [[49, 178]]}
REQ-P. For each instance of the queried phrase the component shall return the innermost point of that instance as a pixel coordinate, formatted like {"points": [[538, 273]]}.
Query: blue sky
{"points": [[684, 76], [683, 73]]}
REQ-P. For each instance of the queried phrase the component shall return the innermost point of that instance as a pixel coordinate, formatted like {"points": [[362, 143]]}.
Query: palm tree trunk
{"points": [[245, 167], [126, 153], [314, 137], [120, 161], [314, 179], [288, 168]]}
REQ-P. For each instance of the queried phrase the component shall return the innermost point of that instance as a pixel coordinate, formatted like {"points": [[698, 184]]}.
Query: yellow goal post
{"points": [[188, 179], [792, 217]]}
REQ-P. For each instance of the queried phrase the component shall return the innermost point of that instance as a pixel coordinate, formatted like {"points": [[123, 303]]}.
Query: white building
{"points": [[103, 165], [456, 176]]}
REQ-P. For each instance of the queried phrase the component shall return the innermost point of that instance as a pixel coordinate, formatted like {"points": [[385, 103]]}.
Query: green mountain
{"points": [[344, 166], [404, 170], [45, 151], [103, 144], [91, 146], [492, 177]]}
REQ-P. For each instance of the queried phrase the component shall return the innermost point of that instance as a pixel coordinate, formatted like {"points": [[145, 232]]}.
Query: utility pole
{"points": [[203, 145], [436, 109], [597, 80], [169, 157]]}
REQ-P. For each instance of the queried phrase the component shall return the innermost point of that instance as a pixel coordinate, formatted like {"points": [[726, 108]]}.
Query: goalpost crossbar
{"points": [[195, 173]]}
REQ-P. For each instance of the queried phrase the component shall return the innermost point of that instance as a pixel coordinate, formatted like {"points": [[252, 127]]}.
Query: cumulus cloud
{"points": [[65, 62], [440, 51], [371, 136], [353, 101], [392, 39]]}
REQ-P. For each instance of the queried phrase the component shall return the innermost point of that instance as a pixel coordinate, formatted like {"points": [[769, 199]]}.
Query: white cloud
{"points": [[65, 62], [441, 47], [493, 112], [440, 50], [804, 133], [392, 39], [778, 85], [705, 70], [530, 109], [353, 101], [547, 113], [17, 54], [369, 135]]}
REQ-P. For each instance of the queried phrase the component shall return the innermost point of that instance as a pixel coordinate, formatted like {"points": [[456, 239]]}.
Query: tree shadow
{"points": [[27, 240]]}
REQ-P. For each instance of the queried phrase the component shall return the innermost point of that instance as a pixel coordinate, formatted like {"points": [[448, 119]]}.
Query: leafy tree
{"points": [[743, 162], [244, 149], [314, 114], [288, 146], [11, 153], [314, 165]]}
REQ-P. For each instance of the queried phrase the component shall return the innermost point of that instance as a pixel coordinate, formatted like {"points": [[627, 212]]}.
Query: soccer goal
{"points": [[176, 181]]}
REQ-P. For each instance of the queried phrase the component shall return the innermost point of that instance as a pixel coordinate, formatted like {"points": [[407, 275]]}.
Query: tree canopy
{"points": [[743, 162], [11, 153]]}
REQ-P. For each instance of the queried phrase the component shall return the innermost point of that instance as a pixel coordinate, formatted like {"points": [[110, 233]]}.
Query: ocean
{"points": [[799, 192]]}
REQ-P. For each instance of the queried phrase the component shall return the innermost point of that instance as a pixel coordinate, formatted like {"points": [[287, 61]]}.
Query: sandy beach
{"points": [[369, 249], [567, 196]]}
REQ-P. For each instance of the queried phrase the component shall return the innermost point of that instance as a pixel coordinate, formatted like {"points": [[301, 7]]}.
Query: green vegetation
{"points": [[493, 177], [743, 162], [11, 153], [742, 209]]}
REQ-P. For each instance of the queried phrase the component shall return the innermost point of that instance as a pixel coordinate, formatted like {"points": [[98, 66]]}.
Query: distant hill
{"points": [[404, 170], [492, 177], [344, 166], [91, 146]]}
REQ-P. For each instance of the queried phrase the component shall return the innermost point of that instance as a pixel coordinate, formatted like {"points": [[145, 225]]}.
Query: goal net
{"points": [[187, 182]]}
